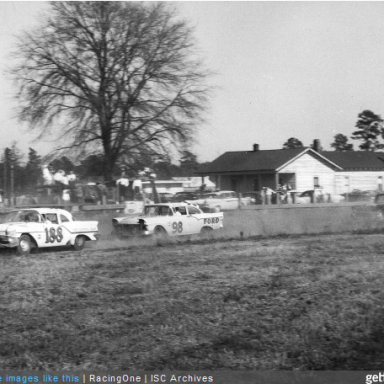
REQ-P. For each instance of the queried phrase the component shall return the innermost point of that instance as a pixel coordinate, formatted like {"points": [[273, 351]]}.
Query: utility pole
{"points": [[12, 180], [6, 196]]}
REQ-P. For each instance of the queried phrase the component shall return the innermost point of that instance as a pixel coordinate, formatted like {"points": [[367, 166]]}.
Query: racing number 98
{"points": [[177, 227], [51, 235]]}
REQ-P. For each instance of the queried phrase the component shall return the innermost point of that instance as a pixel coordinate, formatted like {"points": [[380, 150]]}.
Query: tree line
{"points": [[27, 174], [370, 133]]}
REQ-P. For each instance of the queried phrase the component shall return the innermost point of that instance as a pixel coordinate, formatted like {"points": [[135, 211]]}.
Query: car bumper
{"points": [[8, 241], [131, 231]]}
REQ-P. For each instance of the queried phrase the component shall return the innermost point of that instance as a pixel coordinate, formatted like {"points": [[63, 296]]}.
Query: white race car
{"points": [[171, 219], [25, 229]]}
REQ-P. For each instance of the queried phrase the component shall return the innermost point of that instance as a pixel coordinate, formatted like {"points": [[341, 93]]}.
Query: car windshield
{"points": [[22, 216], [162, 210]]}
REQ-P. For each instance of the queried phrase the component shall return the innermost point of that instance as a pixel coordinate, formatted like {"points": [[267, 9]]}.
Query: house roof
{"points": [[268, 160], [356, 160], [274, 160]]}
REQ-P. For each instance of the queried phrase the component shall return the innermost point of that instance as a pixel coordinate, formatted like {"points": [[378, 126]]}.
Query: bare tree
{"points": [[116, 78]]}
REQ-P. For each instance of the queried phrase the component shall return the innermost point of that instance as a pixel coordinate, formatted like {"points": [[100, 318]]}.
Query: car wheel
{"points": [[25, 245], [206, 232], [117, 231], [79, 243], [160, 234]]}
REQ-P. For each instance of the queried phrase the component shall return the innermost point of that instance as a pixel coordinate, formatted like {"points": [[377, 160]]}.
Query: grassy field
{"points": [[284, 303]]}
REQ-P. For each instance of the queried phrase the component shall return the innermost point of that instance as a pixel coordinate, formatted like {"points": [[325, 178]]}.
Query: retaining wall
{"points": [[319, 218]]}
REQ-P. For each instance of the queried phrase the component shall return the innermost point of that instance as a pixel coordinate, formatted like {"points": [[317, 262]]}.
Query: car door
{"points": [[194, 222], [55, 233], [229, 201], [35, 225], [181, 223], [233, 200]]}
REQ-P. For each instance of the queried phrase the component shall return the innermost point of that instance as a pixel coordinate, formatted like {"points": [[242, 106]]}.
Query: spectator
{"points": [[137, 189], [122, 184], [102, 189], [71, 177]]}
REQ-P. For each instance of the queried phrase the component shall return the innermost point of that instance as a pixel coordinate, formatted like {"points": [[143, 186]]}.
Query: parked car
{"points": [[172, 219], [301, 197], [254, 197], [316, 196], [220, 201], [25, 229], [180, 197], [358, 195], [166, 197]]}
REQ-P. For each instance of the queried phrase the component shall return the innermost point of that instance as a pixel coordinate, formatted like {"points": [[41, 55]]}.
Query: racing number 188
{"points": [[177, 227], [51, 236]]}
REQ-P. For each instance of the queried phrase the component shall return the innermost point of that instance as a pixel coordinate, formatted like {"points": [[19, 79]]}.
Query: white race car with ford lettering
{"points": [[171, 219], [24, 229]]}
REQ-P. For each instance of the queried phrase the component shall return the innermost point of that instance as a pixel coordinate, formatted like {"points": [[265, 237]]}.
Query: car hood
{"points": [[14, 227], [134, 219]]}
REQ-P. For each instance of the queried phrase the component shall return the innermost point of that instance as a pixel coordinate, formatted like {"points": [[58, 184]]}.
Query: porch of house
{"points": [[255, 182]]}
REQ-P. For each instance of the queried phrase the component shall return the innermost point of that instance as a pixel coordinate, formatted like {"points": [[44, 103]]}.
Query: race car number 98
{"points": [[177, 227], [51, 235]]}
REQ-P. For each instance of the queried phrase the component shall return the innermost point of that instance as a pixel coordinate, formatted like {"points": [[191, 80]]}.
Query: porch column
{"points": [[218, 182], [276, 187]]}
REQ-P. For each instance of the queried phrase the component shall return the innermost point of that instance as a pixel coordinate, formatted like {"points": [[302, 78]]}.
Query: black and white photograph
{"points": [[191, 186]]}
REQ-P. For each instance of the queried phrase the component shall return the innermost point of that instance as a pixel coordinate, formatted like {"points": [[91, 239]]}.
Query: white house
{"points": [[301, 168]]}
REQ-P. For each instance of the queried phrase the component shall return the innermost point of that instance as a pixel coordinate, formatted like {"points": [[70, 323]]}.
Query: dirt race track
{"points": [[293, 302]]}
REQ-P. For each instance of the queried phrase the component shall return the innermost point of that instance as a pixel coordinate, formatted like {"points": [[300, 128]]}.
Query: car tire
{"points": [[79, 243], [160, 235], [117, 232], [160, 232], [206, 232], [25, 245]]}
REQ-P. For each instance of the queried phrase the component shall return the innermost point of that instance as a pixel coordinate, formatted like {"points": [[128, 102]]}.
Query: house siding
{"points": [[300, 171], [364, 181], [306, 168]]}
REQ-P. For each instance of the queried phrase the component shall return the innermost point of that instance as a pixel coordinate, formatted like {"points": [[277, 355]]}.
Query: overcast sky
{"points": [[284, 69]]}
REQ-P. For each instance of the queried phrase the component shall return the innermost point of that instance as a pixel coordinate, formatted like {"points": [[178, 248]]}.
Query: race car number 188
{"points": [[51, 235], [177, 227]]}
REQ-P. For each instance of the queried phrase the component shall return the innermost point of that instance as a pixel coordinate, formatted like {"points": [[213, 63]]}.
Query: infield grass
{"points": [[284, 303]]}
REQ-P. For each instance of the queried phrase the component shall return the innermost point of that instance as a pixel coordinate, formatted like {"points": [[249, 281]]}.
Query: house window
{"points": [[316, 182], [346, 186]]}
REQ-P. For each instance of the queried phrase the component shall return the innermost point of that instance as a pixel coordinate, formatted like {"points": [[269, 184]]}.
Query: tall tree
{"points": [[32, 172], [292, 143], [188, 164], [63, 164], [341, 143], [166, 170], [91, 166], [112, 77], [370, 129], [14, 168]]}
